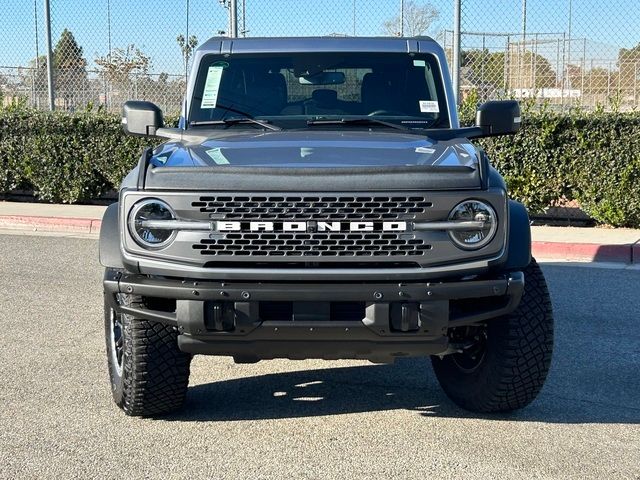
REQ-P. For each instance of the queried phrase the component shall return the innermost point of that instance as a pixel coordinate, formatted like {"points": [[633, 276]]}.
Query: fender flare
{"points": [[109, 247], [519, 239]]}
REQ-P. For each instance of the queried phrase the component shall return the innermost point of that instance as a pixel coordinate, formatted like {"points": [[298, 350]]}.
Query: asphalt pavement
{"points": [[306, 419]]}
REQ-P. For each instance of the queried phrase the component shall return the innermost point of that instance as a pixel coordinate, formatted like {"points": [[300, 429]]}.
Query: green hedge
{"points": [[61, 157], [591, 158]]}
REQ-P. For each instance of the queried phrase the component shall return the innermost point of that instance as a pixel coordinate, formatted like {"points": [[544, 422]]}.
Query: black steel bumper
{"points": [[400, 319]]}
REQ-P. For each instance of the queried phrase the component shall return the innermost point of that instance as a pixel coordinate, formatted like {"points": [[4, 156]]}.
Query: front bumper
{"points": [[428, 310]]}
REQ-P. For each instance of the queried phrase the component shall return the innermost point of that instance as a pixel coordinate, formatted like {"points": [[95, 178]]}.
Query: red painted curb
{"points": [[591, 252], [55, 224]]}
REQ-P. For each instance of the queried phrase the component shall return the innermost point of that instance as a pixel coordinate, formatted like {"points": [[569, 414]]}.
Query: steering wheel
{"points": [[385, 112]]}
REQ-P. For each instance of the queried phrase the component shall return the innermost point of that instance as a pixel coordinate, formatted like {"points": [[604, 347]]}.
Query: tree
{"points": [[33, 79], [530, 70], [124, 69], [417, 20], [70, 68], [600, 82], [484, 68], [629, 68], [187, 46]]}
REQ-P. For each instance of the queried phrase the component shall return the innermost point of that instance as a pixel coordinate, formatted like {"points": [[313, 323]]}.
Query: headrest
{"points": [[325, 96]]}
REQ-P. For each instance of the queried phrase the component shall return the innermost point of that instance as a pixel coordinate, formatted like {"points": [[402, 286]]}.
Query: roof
{"points": [[318, 44]]}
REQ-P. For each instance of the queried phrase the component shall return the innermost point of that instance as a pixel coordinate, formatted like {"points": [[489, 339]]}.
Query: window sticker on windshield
{"points": [[427, 150], [429, 106], [217, 156], [419, 63], [211, 87]]}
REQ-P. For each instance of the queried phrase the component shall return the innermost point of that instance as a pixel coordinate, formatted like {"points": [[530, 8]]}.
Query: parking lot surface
{"points": [[307, 419]]}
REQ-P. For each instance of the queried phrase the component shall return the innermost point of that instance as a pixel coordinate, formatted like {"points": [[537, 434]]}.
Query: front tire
{"points": [[505, 362], [149, 374]]}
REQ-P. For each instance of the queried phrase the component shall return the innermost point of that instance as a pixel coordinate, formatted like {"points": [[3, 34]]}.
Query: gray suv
{"points": [[319, 199]]}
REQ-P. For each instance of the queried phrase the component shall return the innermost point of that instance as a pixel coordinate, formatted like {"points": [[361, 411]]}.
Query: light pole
{"points": [[47, 24], [354, 18], [524, 44], [233, 17], [456, 50], [569, 45], [232, 5]]}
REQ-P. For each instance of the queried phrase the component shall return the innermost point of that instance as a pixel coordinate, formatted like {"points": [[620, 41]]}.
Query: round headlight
{"points": [[145, 223], [483, 230]]}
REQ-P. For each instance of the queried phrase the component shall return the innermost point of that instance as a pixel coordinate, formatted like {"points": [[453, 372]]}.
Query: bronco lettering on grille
{"points": [[311, 226]]}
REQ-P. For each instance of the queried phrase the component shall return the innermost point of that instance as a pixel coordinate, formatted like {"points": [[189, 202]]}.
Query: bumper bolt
{"points": [[429, 292], [195, 292], [129, 289], [377, 295], [245, 295]]}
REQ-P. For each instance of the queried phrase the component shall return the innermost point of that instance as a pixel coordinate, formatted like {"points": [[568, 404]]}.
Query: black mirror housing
{"points": [[141, 118], [498, 117]]}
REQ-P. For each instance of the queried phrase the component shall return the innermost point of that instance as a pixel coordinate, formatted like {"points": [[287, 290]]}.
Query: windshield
{"points": [[296, 90]]}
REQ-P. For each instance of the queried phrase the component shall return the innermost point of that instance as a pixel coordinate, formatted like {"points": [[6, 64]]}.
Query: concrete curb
{"points": [[51, 224], [587, 252], [584, 252]]}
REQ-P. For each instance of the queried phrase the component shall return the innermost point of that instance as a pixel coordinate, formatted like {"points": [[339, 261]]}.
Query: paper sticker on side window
{"points": [[211, 87], [429, 106]]}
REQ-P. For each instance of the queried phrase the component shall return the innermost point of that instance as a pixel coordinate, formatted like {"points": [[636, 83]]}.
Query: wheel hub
{"points": [[473, 341]]}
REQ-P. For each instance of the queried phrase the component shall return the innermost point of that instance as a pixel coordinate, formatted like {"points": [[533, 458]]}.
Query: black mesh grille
{"points": [[312, 207], [330, 244]]}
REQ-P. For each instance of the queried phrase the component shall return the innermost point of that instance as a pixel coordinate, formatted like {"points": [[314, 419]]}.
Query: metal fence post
{"points": [[47, 24], [233, 17], [456, 50]]}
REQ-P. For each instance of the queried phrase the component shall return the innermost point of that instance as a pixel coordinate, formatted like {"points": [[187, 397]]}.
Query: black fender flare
{"points": [[109, 247], [519, 238]]}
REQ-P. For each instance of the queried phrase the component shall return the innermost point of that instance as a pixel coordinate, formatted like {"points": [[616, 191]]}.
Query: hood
{"points": [[313, 160], [313, 149]]}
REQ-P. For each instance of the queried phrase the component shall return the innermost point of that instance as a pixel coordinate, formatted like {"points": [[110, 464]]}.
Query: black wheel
{"points": [[504, 363], [149, 374]]}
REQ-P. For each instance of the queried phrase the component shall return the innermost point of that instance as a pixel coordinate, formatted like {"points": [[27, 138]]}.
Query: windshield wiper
{"points": [[235, 121], [358, 121]]}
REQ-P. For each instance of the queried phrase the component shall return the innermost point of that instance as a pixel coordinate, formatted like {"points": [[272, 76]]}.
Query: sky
{"points": [[152, 25]]}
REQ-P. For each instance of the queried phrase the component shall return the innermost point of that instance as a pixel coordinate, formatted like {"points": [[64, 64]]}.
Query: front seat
{"points": [[379, 93], [324, 102]]}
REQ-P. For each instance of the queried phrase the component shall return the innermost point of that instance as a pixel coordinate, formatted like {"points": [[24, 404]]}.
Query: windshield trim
{"points": [[446, 119]]}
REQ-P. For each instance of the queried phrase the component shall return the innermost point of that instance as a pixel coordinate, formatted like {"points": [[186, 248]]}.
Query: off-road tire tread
{"points": [[515, 369], [155, 372]]}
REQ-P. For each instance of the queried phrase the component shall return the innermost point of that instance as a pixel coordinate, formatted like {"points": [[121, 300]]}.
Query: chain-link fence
{"points": [[564, 52]]}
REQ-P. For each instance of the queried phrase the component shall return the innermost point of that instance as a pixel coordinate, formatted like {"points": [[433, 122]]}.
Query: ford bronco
{"points": [[319, 199]]}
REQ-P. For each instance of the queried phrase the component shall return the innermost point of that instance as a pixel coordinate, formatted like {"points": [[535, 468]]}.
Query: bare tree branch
{"points": [[417, 20]]}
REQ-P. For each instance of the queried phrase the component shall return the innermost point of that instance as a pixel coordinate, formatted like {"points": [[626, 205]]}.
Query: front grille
{"points": [[294, 207], [331, 244], [323, 208]]}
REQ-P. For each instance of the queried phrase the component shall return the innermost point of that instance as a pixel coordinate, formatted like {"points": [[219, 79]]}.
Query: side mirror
{"points": [[498, 117], [141, 118]]}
